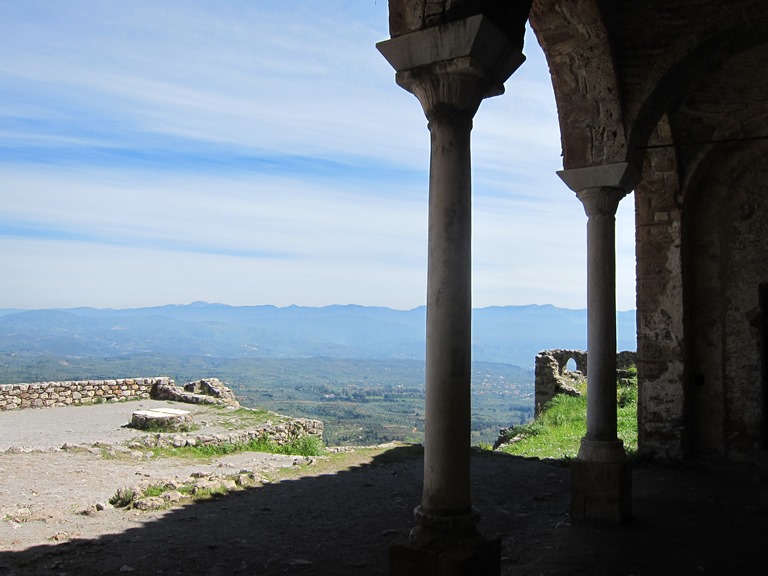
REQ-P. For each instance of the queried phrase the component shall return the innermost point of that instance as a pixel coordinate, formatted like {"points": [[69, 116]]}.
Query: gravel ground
{"points": [[50, 428], [338, 517]]}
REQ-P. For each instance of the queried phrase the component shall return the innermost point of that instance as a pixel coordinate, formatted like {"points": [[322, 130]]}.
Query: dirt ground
{"points": [[338, 515]]}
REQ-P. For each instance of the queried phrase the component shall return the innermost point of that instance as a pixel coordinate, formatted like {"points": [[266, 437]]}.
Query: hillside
{"points": [[508, 334]]}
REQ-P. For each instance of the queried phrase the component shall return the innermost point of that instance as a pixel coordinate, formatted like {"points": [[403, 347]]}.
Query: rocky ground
{"points": [[336, 515]]}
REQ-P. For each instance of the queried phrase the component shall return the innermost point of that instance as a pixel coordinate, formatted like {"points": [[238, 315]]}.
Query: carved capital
{"points": [[453, 67], [601, 200], [450, 87]]}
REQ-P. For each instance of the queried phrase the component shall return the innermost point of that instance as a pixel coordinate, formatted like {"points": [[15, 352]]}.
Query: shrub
{"points": [[123, 498]]}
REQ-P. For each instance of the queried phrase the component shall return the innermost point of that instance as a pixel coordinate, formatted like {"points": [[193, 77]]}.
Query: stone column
{"points": [[450, 69], [600, 475]]}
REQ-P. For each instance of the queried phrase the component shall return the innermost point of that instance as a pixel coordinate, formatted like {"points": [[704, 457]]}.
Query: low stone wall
{"points": [[77, 392], [280, 433]]}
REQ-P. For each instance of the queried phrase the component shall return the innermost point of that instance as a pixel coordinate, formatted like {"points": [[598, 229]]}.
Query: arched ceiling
{"points": [[619, 66], [726, 108]]}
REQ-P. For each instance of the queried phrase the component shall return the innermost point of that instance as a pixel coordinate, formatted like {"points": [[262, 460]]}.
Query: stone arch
{"points": [[550, 370], [690, 61], [576, 46]]}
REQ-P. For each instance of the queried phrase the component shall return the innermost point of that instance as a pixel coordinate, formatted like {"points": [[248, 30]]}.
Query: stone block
{"points": [[468, 557], [601, 491], [167, 417]]}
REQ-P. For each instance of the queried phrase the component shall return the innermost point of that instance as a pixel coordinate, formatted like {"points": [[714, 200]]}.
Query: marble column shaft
{"points": [[450, 69], [600, 204], [449, 309], [600, 188]]}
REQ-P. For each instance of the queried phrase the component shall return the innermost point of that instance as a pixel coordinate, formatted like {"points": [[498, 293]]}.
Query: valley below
{"points": [[361, 401]]}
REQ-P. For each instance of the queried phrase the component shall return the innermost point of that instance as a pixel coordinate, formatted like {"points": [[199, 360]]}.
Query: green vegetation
{"points": [[557, 431], [128, 498], [302, 446], [123, 498], [247, 417], [154, 490], [208, 493]]}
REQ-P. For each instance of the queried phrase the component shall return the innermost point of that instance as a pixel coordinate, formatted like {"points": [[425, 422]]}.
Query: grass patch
{"points": [[248, 417], [555, 433], [154, 490], [209, 493], [558, 430], [302, 446]]}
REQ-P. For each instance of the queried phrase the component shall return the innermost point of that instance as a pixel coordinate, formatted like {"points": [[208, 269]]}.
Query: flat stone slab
{"points": [[165, 411], [170, 417]]}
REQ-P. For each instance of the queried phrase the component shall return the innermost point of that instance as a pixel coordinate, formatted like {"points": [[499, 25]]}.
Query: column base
{"points": [[601, 491], [477, 556]]}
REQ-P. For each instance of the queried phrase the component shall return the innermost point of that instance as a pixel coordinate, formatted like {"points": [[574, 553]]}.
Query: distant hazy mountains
{"points": [[509, 334]]}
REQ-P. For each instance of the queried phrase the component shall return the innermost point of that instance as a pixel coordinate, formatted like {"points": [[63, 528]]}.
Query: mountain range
{"points": [[504, 334]]}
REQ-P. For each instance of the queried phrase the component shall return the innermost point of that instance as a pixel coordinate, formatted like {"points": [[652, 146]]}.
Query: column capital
{"points": [[621, 175], [601, 200], [600, 188], [451, 68]]}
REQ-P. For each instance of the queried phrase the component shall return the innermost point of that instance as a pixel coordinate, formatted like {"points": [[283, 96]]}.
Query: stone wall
{"points": [[724, 235], [660, 332], [205, 391], [278, 432], [77, 392], [550, 373], [552, 377]]}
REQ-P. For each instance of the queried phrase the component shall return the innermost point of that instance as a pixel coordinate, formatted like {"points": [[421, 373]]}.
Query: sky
{"points": [[170, 151]]}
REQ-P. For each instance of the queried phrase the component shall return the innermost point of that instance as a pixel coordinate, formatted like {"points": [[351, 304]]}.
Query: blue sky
{"points": [[167, 151]]}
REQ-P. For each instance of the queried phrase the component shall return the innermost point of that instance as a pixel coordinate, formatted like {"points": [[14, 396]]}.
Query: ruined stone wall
{"points": [[75, 393], [552, 376], [549, 368], [205, 391], [660, 336]]}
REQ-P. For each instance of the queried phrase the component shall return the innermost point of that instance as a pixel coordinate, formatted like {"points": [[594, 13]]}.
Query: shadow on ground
{"points": [[694, 520]]}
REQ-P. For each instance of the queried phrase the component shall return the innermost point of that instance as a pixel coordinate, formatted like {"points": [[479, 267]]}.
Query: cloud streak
{"points": [[258, 153]]}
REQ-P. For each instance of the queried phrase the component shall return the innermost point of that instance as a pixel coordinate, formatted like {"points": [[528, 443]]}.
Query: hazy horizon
{"points": [[338, 304]]}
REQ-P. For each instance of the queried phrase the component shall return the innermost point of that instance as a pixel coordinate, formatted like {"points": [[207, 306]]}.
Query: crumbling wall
{"points": [[205, 391], [552, 376]]}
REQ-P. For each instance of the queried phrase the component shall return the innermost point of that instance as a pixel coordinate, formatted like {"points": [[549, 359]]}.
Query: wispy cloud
{"points": [[257, 153]]}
